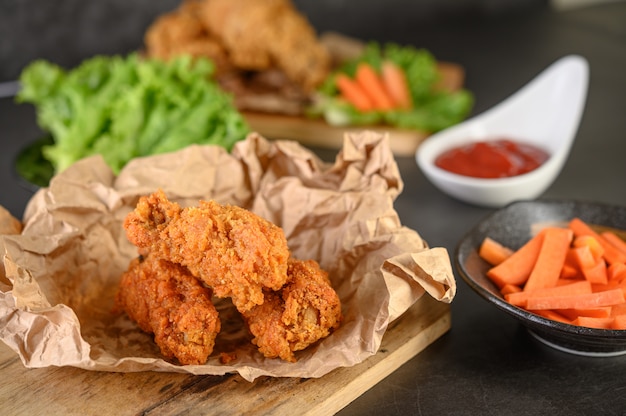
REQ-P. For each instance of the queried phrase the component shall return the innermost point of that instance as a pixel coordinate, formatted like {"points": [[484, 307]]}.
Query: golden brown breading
{"points": [[260, 34], [306, 310], [243, 35], [166, 300], [181, 32], [232, 250]]}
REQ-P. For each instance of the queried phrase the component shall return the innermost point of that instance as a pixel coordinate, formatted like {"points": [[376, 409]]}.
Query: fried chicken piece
{"points": [[166, 300], [261, 34], [232, 250], [306, 310], [181, 32]]}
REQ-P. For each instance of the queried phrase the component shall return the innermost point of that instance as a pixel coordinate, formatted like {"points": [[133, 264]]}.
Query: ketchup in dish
{"points": [[492, 159]]}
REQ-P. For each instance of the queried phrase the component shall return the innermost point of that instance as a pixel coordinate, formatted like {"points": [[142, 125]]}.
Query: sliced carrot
{"points": [[509, 288], [576, 288], [619, 309], [493, 252], [619, 322], [396, 85], [570, 272], [373, 86], [353, 93], [614, 240], [547, 269], [592, 243], [516, 269], [584, 301], [611, 254], [572, 314], [590, 322], [554, 316], [596, 273], [583, 257], [616, 271]]}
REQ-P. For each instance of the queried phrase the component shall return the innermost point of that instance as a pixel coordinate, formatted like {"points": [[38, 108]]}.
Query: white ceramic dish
{"points": [[546, 112]]}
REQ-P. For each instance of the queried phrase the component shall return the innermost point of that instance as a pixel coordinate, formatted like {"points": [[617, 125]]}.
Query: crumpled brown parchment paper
{"points": [[62, 271]]}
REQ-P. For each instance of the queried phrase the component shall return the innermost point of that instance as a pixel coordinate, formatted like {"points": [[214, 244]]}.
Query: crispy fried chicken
{"points": [[306, 310], [166, 300], [232, 250]]}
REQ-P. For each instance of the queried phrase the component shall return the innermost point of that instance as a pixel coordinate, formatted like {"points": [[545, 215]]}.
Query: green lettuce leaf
{"points": [[123, 107]]}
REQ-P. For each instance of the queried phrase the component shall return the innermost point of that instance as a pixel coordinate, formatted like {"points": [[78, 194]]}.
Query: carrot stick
{"points": [[616, 271], [594, 245], [584, 301], [547, 268], [613, 239], [577, 288], [353, 93], [552, 315], [619, 309], [493, 252], [572, 314], [619, 322], [373, 86], [516, 269], [509, 288], [396, 84], [611, 254], [590, 322], [596, 273]]}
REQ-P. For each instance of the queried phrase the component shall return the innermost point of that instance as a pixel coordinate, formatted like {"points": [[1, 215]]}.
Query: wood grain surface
{"points": [[73, 391]]}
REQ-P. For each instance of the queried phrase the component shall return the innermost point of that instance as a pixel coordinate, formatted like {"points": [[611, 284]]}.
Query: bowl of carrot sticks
{"points": [[558, 266]]}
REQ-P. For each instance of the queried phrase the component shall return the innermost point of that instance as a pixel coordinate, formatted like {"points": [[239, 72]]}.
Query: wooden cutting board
{"points": [[72, 391], [318, 133]]}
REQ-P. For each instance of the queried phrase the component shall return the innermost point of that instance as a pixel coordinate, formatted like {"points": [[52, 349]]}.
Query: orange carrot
{"points": [[353, 93], [619, 309], [493, 252], [547, 269], [596, 273], [553, 315], [616, 271], [516, 269], [591, 322], [584, 301], [613, 239], [509, 288], [583, 257], [569, 272], [595, 247], [611, 254], [576, 288], [396, 84], [572, 314], [373, 86], [619, 322]]}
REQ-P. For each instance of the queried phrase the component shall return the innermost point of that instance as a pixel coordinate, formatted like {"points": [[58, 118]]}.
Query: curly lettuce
{"points": [[123, 107]]}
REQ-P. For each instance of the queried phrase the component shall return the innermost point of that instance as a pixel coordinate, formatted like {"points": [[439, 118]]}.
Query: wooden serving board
{"points": [[73, 391], [318, 133]]}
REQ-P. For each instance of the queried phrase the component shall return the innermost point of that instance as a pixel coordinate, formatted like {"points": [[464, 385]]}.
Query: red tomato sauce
{"points": [[492, 159]]}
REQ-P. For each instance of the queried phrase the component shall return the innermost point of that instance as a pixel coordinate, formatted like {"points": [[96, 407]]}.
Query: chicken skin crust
{"points": [[232, 250], [306, 310], [166, 300]]}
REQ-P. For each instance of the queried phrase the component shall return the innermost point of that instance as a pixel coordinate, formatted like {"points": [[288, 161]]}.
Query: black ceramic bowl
{"points": [[512, 226]]}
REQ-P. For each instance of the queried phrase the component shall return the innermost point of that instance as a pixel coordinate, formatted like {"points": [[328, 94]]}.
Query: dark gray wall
{"points": [[68, 31]]}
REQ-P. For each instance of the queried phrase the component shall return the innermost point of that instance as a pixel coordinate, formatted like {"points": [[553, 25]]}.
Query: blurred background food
{"points": [[31, 29]]}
